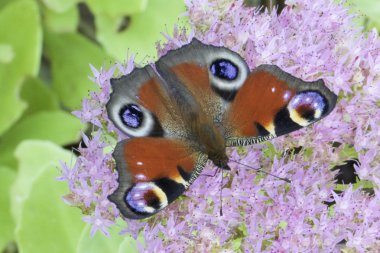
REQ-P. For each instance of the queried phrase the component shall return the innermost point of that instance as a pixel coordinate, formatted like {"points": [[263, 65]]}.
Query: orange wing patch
{"points": [[187, 73], [154, 98], [150, 158], [196, 80], [258, 101]]}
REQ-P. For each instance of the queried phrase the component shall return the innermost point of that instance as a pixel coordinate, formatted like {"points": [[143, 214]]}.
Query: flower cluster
{"points": [[311, 40]]}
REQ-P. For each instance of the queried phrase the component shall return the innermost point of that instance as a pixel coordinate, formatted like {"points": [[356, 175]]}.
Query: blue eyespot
{"points": [[131, 115], [142, 198], [224, 69], [310, 105]]}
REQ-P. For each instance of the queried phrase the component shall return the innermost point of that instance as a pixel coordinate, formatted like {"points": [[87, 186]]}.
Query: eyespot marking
{"points": [[306, 107], [146, 197], [224, 69], [131, 115]]}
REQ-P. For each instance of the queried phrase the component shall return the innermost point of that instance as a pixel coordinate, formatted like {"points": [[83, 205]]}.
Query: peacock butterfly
{"points": [[198, 100]]}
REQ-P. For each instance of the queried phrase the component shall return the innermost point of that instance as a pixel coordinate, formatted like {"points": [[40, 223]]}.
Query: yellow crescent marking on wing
{"points": [[270, 128], [181, 180], [317, 114], [298, 118], [161, 195]]}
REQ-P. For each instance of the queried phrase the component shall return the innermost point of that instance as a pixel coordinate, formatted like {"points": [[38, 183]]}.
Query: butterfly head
{"points": [[220, 160]]}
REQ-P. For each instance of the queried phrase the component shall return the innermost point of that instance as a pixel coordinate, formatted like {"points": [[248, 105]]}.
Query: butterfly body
{"points": [[196, 102]]}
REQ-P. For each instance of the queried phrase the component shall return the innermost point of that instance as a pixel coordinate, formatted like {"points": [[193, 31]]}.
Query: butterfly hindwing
{"points": [[152, 173]]}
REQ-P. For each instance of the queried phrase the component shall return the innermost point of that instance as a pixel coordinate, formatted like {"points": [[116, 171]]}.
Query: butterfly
{"points": [[196, 101]]}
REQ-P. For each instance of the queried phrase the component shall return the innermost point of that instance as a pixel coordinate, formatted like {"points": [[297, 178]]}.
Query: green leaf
{"points": [[128, 245], [116, 8], [45, 223], [348, 152], [370, 8], [242, 151], [21, 32], [364, 184], [60, 22], [4, 3], [71, 55], [270, 151], [38, 96], [60, 5], [307, 153], [143, 32], [371, 11], [6, 53], [57, 126], [101, 243], [283, 224], [7, 177], [236, 244], [34, 157]]}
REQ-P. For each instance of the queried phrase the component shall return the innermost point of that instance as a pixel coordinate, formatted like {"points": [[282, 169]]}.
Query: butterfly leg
{"points": [[216, 172]]}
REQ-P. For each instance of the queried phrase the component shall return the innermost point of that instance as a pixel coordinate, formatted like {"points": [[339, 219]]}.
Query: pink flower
{"points": [[311, 40], [98, 222], [89, 113]]}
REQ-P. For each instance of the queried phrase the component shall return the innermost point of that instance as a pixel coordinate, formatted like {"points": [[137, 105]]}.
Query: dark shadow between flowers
{"points": [[348, 175]]}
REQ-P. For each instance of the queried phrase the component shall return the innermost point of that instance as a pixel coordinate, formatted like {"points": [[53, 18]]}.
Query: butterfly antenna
{"points": [[263, 171]]}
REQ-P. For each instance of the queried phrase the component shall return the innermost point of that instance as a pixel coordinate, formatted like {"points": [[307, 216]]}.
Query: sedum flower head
{"points": [[311, 40]]}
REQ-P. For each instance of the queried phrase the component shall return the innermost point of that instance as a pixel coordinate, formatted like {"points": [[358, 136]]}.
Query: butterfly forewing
{"points": [[272, 103]]}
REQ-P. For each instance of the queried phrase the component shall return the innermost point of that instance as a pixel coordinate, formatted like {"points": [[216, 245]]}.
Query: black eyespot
{"points": [[224, 69], [131, 115]]}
